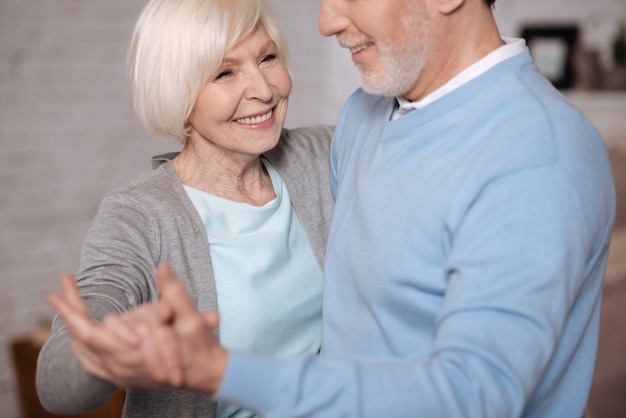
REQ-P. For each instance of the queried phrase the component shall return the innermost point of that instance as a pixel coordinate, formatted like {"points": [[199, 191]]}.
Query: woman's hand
{"points": [[166, 344], [135, 349]]}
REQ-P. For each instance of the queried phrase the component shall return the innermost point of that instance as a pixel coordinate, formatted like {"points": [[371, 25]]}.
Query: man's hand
{"points": [[203, 359]]}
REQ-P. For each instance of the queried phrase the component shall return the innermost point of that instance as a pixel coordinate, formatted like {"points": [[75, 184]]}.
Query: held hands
{"points": [[203, 359], [114, 350], [167, 344]]}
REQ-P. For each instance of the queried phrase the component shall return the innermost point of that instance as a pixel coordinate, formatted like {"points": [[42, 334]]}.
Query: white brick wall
{"points": [[67, 134]]}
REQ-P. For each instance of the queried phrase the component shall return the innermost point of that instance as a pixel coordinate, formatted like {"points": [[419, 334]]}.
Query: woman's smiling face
{"points": [[241, 110]]}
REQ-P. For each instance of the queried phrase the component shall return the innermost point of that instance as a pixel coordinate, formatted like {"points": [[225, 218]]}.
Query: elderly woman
{"points": [[241, 213]]}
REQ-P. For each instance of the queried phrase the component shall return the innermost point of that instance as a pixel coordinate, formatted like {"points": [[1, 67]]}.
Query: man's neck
{"points": [[466, 36]]}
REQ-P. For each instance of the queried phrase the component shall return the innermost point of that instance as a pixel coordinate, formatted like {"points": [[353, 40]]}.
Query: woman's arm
{"points": [[117, 264]]}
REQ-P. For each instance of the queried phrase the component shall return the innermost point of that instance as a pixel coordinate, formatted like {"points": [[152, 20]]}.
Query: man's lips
{"points": [[354, 43], [359, 48]]}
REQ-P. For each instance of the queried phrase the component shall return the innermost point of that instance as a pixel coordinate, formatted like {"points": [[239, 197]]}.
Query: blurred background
{"points": [[67, 136]]}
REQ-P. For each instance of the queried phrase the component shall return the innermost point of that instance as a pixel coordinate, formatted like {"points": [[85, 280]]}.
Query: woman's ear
{"points": [[447, 7]]}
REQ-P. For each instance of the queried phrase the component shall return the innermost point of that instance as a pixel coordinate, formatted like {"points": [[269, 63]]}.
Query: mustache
{"points": [[352, 41]]}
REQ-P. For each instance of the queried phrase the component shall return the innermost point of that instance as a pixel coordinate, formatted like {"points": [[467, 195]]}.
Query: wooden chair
{"points": [[25, 352]]}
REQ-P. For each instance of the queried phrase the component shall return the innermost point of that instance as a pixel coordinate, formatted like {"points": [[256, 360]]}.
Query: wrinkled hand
{"points": [[203, 359], [135, 349], [167, 344]]}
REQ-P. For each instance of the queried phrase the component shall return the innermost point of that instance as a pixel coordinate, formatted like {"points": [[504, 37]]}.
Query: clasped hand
{"points": [[164, 344]]}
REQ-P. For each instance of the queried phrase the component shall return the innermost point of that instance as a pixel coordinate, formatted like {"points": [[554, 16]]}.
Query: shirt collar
{"points": [[512, 47]]}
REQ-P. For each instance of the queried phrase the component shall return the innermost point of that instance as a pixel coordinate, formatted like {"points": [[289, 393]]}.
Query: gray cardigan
{"points": [[151, 221]]}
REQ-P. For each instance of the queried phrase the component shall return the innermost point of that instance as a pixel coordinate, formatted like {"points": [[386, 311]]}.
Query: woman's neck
{"points": [[237, 178]]}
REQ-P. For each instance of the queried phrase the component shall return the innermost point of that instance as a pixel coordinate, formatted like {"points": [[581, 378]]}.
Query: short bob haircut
{"points": [[178, 44]]}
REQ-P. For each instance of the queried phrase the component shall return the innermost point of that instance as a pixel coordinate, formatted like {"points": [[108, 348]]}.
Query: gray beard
{"points": [[400, 64], [395, 77]]}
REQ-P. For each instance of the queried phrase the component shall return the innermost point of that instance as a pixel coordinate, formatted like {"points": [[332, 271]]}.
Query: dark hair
{"points": [[490, 2]]}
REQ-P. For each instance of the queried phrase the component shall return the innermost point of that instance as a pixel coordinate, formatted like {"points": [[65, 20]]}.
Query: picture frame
{"points": [[553, 50]]}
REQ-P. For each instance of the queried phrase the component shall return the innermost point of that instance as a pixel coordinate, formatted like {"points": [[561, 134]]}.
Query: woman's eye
{"points": [[224, 74], [269, 58]]}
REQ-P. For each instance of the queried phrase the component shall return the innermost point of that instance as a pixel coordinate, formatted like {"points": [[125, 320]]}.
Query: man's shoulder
{"points": [[361, 100]]}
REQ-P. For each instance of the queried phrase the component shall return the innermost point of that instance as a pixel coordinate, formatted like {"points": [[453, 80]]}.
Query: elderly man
{"points": [[464, 268]]}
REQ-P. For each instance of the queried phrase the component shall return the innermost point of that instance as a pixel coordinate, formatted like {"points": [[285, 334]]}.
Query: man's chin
{"points": [[378, 89]]}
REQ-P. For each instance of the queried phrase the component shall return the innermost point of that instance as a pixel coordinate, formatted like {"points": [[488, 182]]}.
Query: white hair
{"points": [[177, 44]]}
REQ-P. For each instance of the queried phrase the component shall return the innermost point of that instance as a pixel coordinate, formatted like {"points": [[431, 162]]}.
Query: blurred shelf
{"points": [[607, 110]]}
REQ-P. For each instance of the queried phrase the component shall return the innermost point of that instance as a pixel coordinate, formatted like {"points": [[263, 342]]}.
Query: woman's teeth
{"points": [[256, 119]]}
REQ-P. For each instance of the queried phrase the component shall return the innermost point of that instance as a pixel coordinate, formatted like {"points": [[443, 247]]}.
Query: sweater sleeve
{"points": [[117, 263]]}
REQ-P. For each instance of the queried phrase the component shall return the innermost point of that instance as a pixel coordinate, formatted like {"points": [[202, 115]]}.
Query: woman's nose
{"points": [[259, 86]]}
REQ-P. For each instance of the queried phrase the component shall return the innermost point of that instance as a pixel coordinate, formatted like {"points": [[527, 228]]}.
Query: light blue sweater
{"points": [[464, 267]]}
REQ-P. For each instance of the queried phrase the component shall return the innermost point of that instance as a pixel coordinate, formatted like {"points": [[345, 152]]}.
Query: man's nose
{"points": [[331, 18]]}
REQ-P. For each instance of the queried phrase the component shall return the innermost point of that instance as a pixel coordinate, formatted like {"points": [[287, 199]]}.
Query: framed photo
{"points": [[553, 49]]}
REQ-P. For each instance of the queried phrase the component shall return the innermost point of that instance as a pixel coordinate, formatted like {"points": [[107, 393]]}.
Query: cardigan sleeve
{"points": [[117, 263]]}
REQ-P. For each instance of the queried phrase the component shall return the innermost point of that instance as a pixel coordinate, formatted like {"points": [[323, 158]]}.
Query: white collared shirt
{"points": [[512, 47]]}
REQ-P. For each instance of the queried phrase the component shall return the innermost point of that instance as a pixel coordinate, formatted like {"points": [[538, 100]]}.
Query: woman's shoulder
{"points": [[302, 143], [320, 131], [307, 136], [156, 185]]}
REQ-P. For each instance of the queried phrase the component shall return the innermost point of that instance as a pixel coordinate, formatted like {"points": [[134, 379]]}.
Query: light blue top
{"points": [[263, 267], [149, 221], [464, 268]]}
